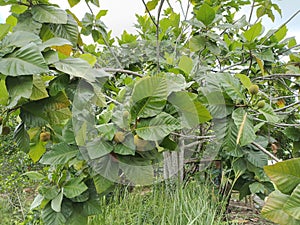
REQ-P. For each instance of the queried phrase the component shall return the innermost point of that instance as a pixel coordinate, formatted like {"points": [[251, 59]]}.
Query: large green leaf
{"points": [[39, 89], [245, 127], [232, 86], [73, 2], [56, 202], [59, 154], [27, 60], [22, 137], [101, 183], [292, 133], [285, 174], [18, 88], [158, 127], [257, 158], [67, 31], [274, 209], [175, 82], [186, 64], [206, 14], [27, 23], [269, 113], [50, 217], [192, 112], [97, 148], [49, 14], [74, 187], [20, 39], [53, 109], [292, 205], [56, 41], [149, 96], [253, 32], [76, 67]]}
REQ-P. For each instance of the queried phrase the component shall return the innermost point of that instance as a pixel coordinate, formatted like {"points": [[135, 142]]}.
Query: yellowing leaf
{"points": [[280, 103], [91, 59], [64, 49], [260, 64], [37, 151]]}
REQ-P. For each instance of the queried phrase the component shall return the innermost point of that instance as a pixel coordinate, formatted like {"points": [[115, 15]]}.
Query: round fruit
{"points": [[1, 120], [5, 130], [253, 89], [119, 137], [45, 136], [126, 114], [261, 104], [139, 143]]}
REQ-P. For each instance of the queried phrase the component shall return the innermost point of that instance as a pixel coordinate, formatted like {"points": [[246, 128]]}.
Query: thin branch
{"points": [[265, 151], [283, 97], [234, 65], [157, 35], [288, 106], [113, 100], [195, 143], [251, 12], [193, 136], [281, 125], [87, 3], [285, 23], [112, 70], [276, 76], [149, 13]]}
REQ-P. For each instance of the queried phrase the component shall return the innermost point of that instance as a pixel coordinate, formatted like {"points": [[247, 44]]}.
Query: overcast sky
{"points": [[121, 14]]}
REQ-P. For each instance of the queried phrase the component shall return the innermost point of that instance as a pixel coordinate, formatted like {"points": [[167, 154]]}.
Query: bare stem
{"points": [[265, 151], [112, 70]]}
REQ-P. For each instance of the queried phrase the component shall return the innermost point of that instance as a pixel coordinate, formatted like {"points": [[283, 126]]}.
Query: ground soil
{"points": [[240, 212]]}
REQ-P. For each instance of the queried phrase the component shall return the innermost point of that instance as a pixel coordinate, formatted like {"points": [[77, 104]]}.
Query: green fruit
{"points": [[253, 89], [126, 114], [45, 136], [261, 104], [119, 137], [1, 120], [5, 130]]}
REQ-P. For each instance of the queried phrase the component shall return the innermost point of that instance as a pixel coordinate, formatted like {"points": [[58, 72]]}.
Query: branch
{"points": [[265, 151], [194, 144], [289, 20], [282, 125], [193, 136], [276, 76], [157, 35], [149, 13], [112, 70], [286, 107]]}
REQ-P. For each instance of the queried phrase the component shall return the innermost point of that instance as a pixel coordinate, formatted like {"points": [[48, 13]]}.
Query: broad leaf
{"points": [[149, 96], [273, 209], [67, 31], [253, 32], [157, 128], [186, 64], [269, 113], [49, 14], [4, 29], [285, 174], [257, 158], [20, 39], [34, 175], [37, 151], [97, 148], [56, 202], [56, 41], [22, 137], [76, 67], [206, 14], [25, 61], [73, 2], [18, 88], [192, 112], [152, 4], [50, 217], [74, 187], [245, 80], [39, 89], [28, 24], [231, 86], [3, 93], [245, 127], [292, 205], [292, 133], [59, 154], [101, 183]]}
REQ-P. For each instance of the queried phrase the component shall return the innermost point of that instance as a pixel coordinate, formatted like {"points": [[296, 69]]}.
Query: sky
{"points": [[121, 14]]}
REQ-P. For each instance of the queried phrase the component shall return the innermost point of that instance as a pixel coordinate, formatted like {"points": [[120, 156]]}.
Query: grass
{"points": [[194, 204]]}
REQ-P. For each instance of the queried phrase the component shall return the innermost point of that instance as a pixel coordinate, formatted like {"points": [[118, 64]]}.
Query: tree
{"points": [[210, 85]]}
